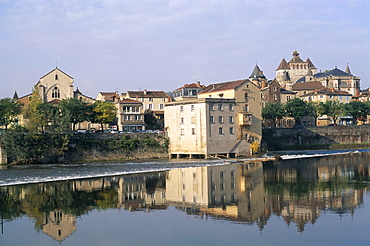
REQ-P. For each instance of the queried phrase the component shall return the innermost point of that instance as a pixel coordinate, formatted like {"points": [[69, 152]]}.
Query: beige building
{"points": [[248, 103], [54, 87], [130, 115], [325, 94], [224, 120]]}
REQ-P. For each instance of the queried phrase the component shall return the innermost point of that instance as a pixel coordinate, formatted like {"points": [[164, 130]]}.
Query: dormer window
{"points": [[55, 93]]}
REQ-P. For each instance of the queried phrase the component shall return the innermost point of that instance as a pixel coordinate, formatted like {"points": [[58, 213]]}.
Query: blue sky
{"points": [[113, 45]]}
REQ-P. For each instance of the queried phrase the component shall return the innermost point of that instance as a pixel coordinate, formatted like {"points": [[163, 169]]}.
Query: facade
{"points": [[286, 95], [271, 93], [327, 94], [151, 100], [201, 127], [248, 104], [130, 115], [188, 91], [224, 121]]}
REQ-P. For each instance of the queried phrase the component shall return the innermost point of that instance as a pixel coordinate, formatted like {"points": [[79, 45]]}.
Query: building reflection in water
{"points": [[249, 193]]}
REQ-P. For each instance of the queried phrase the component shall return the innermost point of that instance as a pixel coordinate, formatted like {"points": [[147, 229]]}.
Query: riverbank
{"points": [[330, 137], [71, 148]]}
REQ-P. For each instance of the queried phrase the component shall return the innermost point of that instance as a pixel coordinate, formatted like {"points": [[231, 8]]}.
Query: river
{"points": [[306, 198]]}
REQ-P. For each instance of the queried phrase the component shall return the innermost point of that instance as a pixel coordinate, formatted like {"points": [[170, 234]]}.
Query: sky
{"points": [[122, 45]]}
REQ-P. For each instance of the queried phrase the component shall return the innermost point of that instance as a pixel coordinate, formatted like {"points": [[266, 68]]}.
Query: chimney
{"points": [[263, 84], [145, 92], [198, 83]]}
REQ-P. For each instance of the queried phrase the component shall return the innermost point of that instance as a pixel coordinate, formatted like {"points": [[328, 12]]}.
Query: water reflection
{"points": [[297, 190]]}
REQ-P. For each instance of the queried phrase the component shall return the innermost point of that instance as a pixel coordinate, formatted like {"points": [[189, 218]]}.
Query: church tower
{"points": [[296, 68]]}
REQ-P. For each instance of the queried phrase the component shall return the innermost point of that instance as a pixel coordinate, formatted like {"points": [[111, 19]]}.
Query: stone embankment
{"points": [[316, 137]]}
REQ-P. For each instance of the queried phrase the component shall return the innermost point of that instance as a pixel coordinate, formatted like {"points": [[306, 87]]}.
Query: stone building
{"points": [[296, 68], [224, 120]]}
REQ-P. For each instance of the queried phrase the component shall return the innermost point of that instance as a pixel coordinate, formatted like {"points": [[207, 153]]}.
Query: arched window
{"points": [[56, 76], [55, 93]]}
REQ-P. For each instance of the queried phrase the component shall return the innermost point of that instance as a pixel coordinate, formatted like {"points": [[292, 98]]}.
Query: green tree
{"points": [[317, 109], [34, 118], [75, 110], [297, 109], [273, 111], [9, 110], [358, 110], [334, 109], [103, 112]]}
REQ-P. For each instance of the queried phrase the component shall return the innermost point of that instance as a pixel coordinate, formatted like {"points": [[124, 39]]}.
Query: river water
{"points": [[306, 198]]}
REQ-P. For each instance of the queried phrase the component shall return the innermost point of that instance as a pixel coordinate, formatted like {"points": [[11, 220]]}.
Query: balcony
{"points": [[245, 119]]}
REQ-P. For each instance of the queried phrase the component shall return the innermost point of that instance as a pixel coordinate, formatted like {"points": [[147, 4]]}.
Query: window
{"points": [[231, 130], [127, 117], [181, 121], [231, 107], [211, 107], [55, 93], [321, 96], [246, 108], [150, 106], [161, 106], [246, 97], [220, 130], [220, 107], [275, 97], [288, 98], [275, 88], [231, 119], [150, 99], [220, 119], [192, 108], [56, 76], [211, 119], [163, 99], [182, 132], [181, 108], [192, 131], [340, 97], [137, 117]]}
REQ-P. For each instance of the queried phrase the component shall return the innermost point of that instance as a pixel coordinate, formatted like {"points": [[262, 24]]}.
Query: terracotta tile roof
{"points": [[55, 101], [296, 58], [302, 86], [25, 99], [283, 65], [310, 64], [146, 94], [223, 86], [109, 96], [127, 100], [328, 91], [193, 85]]}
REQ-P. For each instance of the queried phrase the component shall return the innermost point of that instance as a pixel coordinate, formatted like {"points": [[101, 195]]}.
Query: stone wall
{"points": [[316, 137]]}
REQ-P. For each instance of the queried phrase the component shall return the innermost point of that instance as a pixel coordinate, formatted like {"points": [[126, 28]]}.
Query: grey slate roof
{"points": [[257, 73], [334, 72]]}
